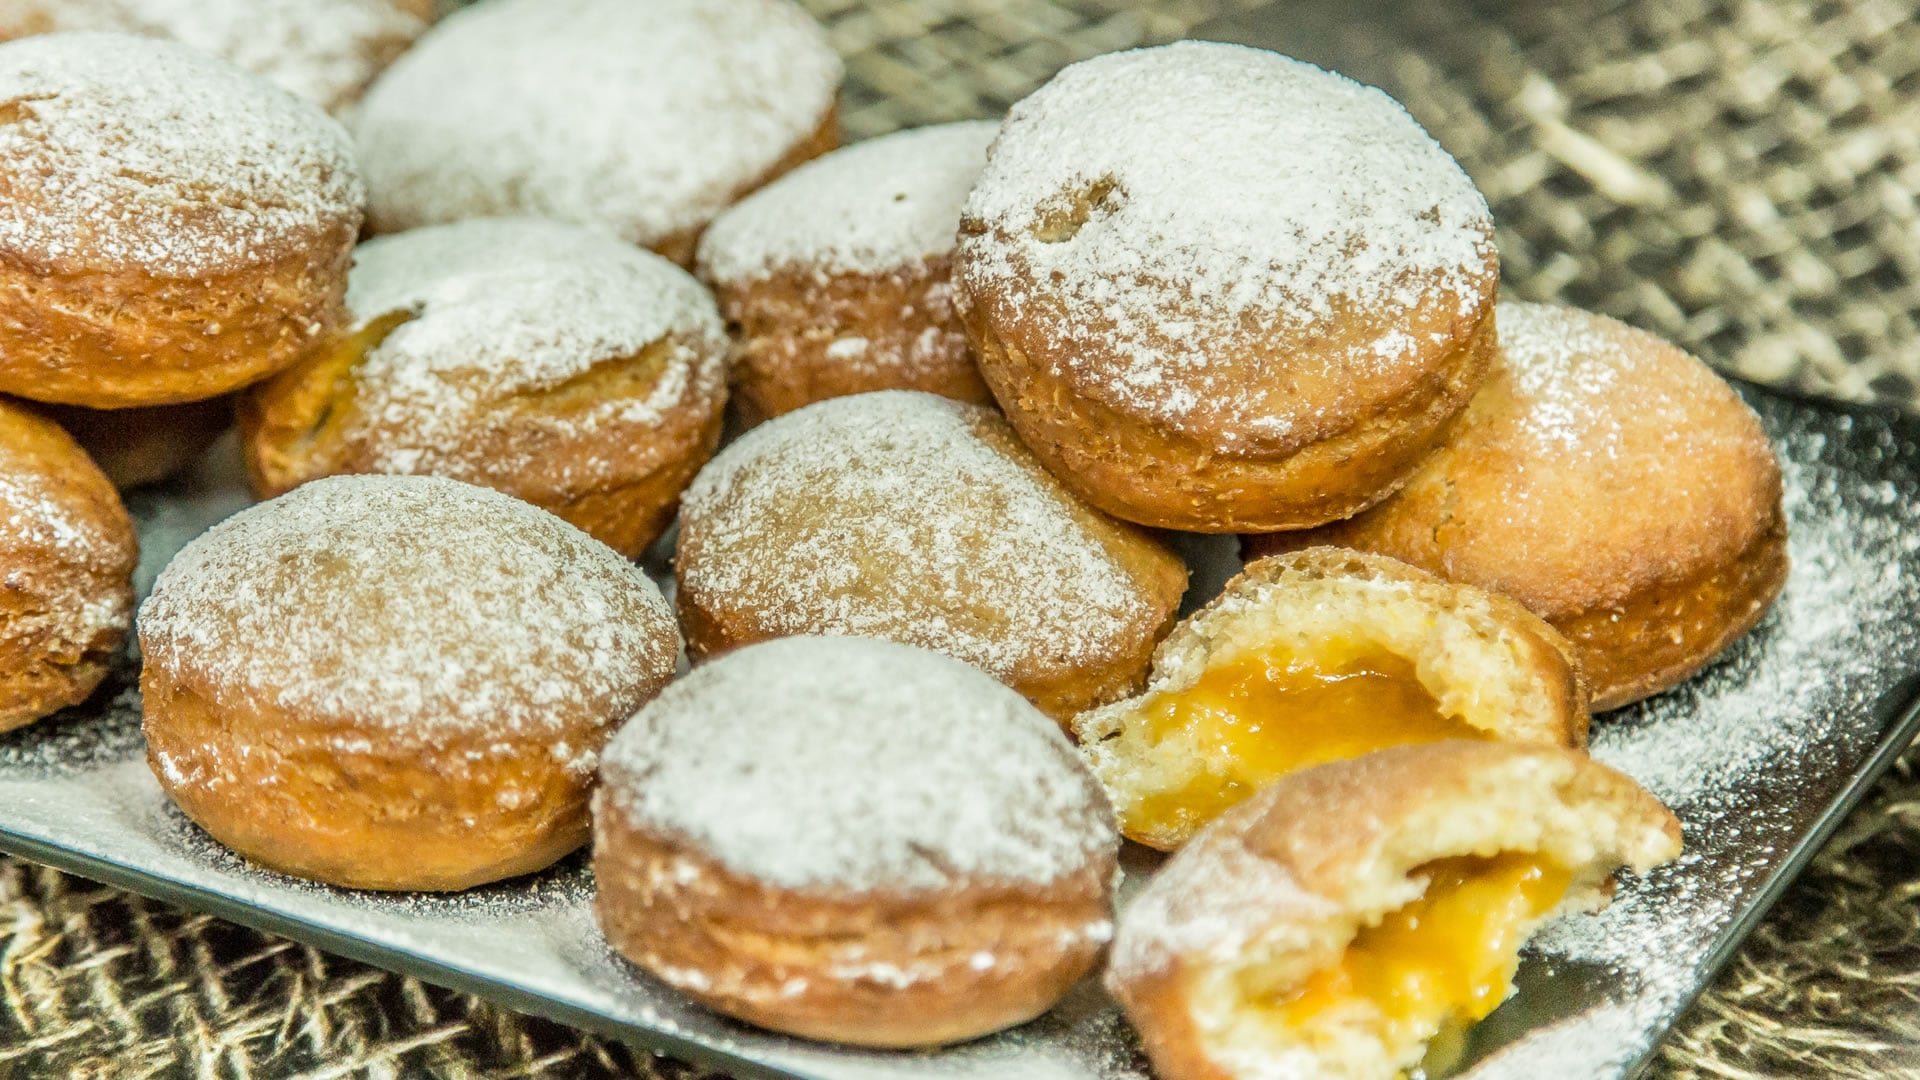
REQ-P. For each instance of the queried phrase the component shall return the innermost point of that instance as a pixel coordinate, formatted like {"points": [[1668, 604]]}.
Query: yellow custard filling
{"points": [[1444, 961], [1257, 718]]}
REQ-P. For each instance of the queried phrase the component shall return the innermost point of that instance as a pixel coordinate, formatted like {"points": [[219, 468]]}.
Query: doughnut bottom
{"points": [[1147, 473], [862, 969], [353, 805]]}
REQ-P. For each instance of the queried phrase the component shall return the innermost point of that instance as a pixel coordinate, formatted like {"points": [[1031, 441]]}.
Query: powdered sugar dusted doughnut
{"points": [[553, 362], [170, 227], [1611, 483], [836, 274], [918, 853], [647, 118], [69, 550], [1216, 288], [326, 51], [910, 517], [395, 682]]}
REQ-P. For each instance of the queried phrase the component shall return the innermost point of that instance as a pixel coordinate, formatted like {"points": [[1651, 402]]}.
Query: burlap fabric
{"points": [[1739, 175]]}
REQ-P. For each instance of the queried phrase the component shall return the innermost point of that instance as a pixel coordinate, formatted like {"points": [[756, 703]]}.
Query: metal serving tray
{"points": [[1761, 757]]}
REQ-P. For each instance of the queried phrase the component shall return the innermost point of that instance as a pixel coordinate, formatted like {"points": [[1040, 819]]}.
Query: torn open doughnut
{"points": [[554, 362], [850, 839], [836, 274], [395, 682], [171, 227], [1318, 656], [1353, 920], [1274, 324], [911, 517], [645, 118], [1611, 483]]}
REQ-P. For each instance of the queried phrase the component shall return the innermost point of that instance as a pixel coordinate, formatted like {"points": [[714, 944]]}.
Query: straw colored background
{"points": [[1738, 175]]}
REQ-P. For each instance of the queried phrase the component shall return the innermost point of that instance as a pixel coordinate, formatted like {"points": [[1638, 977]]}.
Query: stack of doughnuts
{"points": [[982, 374]]}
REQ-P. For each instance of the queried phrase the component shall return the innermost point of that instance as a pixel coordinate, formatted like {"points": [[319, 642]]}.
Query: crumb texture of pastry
{"points": [[395, 682], [171, 227], [1317, 656], [554, 362], [856, 840], [69, 549], [907, 516], [1354, 917], [646, 118], [326, 51], [1274, 324], [836, 275], [1610, 482]]}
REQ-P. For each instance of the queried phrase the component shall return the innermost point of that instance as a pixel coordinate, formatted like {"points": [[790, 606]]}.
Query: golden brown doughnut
{"points": [[554, 362], [326, 51], [171, 228], [854, 840], [141, 446], [395, 682], [906, 516], [1611, 483], [69, 552], [1317, 656], [834, 277], [648, 119], [1217, 289], [1348, 916]]}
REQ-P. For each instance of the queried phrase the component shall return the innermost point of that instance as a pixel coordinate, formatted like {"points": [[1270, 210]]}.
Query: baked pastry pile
{"points": [[931, 600]]}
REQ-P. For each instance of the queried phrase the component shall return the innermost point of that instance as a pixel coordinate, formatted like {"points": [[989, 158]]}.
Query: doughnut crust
{"points": [[326, 51], [171, 228], [906, 516], [647, 119], [836, 275], [69, 550], [1317, 656], [849, 839], [1231, 962], [1266, 329], [395, 682], [141, 446], [554, 362], [1611, 483]]}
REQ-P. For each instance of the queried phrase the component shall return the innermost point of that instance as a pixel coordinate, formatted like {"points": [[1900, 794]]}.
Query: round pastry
{"points": [[853, 840], [1611, 483], [1319, 656], [835, 275], [906, 516], [1217, 289], [395, 682], [141, 446], [647, 118], [326, 51], [1353, 920], [171, 228], [69, 550], [553, 362]]}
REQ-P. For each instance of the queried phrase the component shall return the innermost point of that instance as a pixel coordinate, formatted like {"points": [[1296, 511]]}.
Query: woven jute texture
{"points": [[1738, 176]]}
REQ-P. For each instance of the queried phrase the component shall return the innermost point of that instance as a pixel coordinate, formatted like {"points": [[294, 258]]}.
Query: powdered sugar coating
{"points": [[646, 117], [862, 765], [872, 208], [323, 50], [120, 152], [1210, 905], [71, 570], [1230, 204], [506, 307], [420, 604], [895, 518]]}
